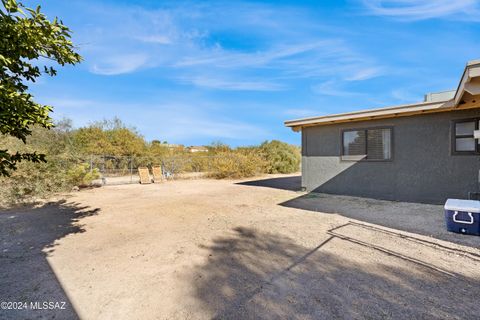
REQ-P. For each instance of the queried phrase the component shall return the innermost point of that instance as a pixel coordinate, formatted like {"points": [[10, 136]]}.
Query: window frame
{"points": [[454, 138], [392, 144]]}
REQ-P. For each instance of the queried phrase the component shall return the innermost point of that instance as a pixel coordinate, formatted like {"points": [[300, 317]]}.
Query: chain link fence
{"points": [[116, 170]]}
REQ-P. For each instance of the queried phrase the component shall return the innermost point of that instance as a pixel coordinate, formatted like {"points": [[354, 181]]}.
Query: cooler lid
{"points": [[463, 205]]}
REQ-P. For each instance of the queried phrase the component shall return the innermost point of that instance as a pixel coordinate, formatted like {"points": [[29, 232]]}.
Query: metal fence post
{"points": [[131, 169]]}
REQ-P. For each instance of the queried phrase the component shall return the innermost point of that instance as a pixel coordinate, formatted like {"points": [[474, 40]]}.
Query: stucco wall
{"points": [[422, 170]]}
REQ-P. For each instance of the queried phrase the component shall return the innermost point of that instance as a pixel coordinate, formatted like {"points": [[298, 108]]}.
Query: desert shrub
{"points": [[237, 165], [198, 163], [175, 165], [281, 157], [32, 181], [80, 175], [218, 147]]}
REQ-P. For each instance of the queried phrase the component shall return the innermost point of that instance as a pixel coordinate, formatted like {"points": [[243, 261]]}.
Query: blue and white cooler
{"points": [[463, 216]]}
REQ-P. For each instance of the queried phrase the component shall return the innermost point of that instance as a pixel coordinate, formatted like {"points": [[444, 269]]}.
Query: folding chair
{"points": [[157, 174], [144, 175]]}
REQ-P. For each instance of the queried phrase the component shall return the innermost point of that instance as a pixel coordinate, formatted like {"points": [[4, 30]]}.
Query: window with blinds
{"points": [[367, 144]]}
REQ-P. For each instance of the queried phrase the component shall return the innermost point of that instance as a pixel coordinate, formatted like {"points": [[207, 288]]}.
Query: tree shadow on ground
{"points": [[27, 237], [256, 275], [419, 218], [285, 183]]}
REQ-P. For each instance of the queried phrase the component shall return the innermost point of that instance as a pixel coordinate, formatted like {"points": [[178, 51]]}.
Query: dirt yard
{"points": [[203, 249]]}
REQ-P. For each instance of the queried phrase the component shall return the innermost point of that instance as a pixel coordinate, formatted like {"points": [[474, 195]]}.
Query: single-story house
{"points": [[421, 152], [194, 149]]}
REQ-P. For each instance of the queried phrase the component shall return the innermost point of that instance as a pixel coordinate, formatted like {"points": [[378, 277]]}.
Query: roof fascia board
{"points": [[448, 107], [368, 113]]}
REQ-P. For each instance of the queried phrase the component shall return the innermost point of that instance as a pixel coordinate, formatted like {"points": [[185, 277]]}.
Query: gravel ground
{"points": [[203, 249]]}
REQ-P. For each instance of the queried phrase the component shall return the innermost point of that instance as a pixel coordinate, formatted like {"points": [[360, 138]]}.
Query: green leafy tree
{"points": [[28, 40]]}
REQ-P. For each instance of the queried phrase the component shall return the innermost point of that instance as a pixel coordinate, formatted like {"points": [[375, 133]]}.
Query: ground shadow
{"points": [[256, 275], [285, 183], [27, 236], [423, 219]]}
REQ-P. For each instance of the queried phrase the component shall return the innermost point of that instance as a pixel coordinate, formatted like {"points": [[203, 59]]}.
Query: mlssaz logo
{"points": [[47, 305]]}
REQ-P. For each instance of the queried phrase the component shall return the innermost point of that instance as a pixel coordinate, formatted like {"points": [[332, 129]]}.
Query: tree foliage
{"points": [[28, 41], [63, 170], [109, 137], [237, 164], [281, 157], [269, 157]]}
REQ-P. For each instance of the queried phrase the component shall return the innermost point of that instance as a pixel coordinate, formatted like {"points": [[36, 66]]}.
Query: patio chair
{"points": [[157, 174], [144, 175]]}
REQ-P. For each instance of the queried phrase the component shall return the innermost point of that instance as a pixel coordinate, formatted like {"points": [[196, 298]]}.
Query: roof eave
{"points": [[368, 114], [472, 70]]}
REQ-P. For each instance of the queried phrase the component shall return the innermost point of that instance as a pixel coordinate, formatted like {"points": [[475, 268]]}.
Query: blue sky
{"points": [[193, 72]]}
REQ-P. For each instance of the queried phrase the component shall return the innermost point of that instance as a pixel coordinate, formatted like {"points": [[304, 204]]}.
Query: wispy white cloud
{"points": [[230, 59], [275, 68], [364, 73], [301, 113], [333, 88], [424, 9], [156, 38], [404, 95], [185, 44], [235, 85], [120, 64]]}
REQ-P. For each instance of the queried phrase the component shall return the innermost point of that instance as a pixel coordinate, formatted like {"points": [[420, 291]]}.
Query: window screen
{"points": [[367, 144], [463, 139]]}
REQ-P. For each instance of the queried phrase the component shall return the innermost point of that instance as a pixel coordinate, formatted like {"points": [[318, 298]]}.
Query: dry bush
{"points": [[80, 175], [34, 181], [198, 163], [235, 165], [281, 157], [30, 182]]}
